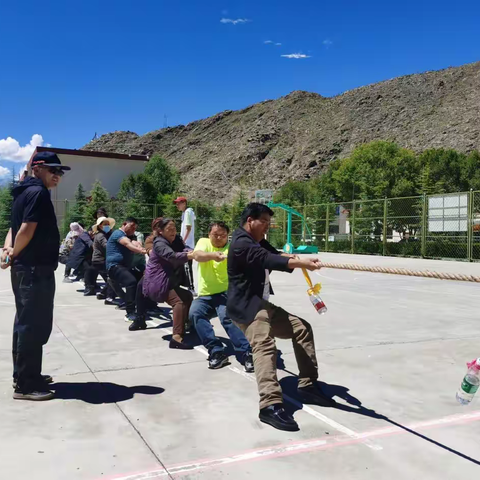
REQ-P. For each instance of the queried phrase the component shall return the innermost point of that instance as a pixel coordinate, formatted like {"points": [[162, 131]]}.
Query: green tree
{"points": [[77, 210], [98, 197], [163, 176], [6, 202]]}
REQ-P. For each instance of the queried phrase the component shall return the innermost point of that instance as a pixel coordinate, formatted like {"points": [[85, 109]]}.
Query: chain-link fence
{"points": [[428, 226]]}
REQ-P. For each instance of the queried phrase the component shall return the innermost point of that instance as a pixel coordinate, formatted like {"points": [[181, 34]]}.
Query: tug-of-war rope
{"points": [[403, 271]]}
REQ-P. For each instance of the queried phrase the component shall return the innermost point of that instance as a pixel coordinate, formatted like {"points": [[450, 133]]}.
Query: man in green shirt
{"points": [[211, 254]]}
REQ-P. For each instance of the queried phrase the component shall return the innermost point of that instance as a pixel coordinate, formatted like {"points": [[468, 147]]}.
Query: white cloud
{"points": [[267, 42], [270, 42], [296, 55], [278, 44], [4, 172], [327, 42], [11, 150], [234, 22]]}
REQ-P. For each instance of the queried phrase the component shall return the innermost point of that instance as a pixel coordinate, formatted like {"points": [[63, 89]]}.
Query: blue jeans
{"points": [[205, 308]]}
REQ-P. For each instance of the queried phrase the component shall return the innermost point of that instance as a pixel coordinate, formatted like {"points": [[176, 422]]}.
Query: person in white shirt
{"points": [[187, 233]]}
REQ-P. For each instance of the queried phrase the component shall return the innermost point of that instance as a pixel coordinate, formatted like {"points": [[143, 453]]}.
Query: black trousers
{"points": [[126, 278], [189, 270], [90, 279], [34, 290]]}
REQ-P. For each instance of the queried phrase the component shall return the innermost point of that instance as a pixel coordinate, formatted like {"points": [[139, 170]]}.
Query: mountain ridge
{"points": [[296, 136]]}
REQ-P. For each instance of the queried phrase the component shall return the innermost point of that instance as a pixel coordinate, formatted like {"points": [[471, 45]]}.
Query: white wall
{"points": [[86, 170]]}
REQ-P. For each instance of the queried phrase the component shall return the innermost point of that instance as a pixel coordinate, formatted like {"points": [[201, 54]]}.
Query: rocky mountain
{"points": [[296, 136]]}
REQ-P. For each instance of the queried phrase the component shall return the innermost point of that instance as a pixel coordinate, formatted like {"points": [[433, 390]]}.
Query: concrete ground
{"points": [[391, 349]]}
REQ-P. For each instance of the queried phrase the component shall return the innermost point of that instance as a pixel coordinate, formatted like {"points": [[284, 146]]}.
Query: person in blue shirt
{"points": [[119, 260]]}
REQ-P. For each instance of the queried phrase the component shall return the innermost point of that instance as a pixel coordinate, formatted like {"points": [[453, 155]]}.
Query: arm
{"points": [[188, 229], [188, 224], [176, 258], [255, 254], [126, 242], [201, 256], [24, 236], [7, 250]]}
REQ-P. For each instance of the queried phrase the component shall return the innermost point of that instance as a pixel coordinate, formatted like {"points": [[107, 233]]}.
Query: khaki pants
{"points": [[271, 322]]}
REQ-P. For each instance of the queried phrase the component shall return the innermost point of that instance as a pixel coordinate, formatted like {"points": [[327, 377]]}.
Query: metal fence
{"points": [[428, 226]]}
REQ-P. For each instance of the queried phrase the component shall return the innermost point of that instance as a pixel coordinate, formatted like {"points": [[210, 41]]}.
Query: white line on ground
{"points": [[328, 421], [299, 447]]}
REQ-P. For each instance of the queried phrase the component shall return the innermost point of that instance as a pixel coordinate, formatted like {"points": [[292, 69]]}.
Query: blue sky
{"points": [[70, 69]]}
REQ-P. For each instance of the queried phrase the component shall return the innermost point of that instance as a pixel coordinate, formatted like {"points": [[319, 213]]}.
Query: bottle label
{"points": [[467, 387]]}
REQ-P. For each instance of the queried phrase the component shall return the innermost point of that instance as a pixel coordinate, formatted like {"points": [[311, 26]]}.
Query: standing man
{"points": [[119, 258], [211, 254], [187, 232], [32, 247], [250, 259]]}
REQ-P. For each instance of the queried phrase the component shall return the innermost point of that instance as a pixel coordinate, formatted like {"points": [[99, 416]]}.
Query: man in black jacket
{"points": [[250, 260], [32, 249]]}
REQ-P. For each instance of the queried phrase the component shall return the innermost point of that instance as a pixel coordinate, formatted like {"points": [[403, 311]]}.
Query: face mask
{"points": [[106, 229]]}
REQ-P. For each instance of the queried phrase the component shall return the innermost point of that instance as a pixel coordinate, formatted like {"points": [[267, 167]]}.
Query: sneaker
{"points": [[89, 292], [45, 379], [277, 417], [36, 395], [67, 280], [314, 396], [109, 301], [138, 324], [248, 364], [101, 296], [121, 306], [217, 360], [130, 317]]}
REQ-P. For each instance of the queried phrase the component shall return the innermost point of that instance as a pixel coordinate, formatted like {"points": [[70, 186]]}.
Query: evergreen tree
{"points": [[99, 197], [76, 211]]}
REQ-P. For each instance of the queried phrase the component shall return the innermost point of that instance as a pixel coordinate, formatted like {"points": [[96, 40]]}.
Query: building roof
{"points": [[89, 153]]}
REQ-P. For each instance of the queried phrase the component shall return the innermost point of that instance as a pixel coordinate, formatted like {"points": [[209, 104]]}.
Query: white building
{"points": [[87, 167]]}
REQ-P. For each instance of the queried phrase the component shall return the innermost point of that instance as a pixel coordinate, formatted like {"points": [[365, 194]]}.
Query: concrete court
{"points": [[392, 349]]}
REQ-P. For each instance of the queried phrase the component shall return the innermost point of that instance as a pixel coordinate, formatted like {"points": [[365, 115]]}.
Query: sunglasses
{"points": [[56, 171]]}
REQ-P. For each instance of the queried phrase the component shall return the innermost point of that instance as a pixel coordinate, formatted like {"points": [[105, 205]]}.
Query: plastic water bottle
{"points": [[470, 383], [318, 303]]}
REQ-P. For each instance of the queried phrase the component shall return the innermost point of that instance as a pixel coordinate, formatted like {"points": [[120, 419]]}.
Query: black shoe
{"points": [[109, 301], [121, 306], [46, 379], [217, 360], [130, 317], [101, 296], [179, 345], [277, 417], [36, 395], [138, 324], [248, 364], [89, 292], [314, 396]]}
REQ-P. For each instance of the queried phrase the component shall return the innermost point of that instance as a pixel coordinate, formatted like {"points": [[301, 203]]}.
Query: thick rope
{"points": [[404, 271]]}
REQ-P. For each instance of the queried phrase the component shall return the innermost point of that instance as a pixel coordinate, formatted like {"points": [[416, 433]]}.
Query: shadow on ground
{"points": [[101, 392], [289, 387]]}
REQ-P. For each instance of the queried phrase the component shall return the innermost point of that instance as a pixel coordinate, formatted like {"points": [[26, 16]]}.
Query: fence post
{"points": [[304, 225], [155, 210], [327, 226], [470, 226], [385, 207], [284, 227], [424, 226], [352, 227]]}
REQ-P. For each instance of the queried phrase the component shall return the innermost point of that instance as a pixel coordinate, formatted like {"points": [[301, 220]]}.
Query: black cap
{"points": [[48, 159]]}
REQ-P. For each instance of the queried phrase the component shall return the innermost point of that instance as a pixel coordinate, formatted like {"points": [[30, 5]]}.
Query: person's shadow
{"points": [[289, 387], [101, 392]]}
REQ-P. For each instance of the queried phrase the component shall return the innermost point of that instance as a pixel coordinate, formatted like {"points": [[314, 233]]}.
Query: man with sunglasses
{"points": [[31, 249]]}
